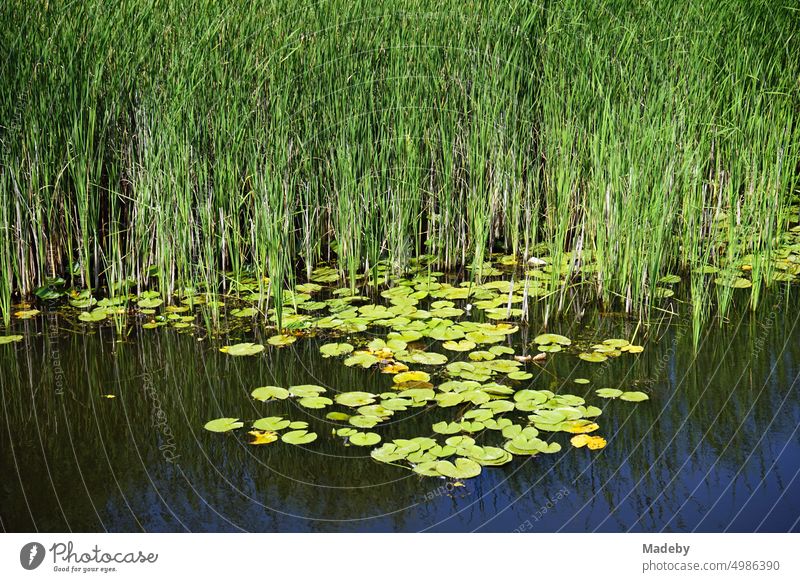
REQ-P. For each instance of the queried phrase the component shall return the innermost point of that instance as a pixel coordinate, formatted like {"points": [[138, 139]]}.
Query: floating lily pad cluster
{"points": [[610, 348], [439, 358]]}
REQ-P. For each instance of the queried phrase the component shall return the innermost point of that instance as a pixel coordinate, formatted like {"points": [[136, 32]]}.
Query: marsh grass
{"points": [[179, 143]]}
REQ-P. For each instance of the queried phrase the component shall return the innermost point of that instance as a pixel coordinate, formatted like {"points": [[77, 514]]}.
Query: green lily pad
{"points": [[459, 346], [592, 357], [491, 457], [365, 439], [299, 437], [551, 338], [315, 402], [305, 390], [461, 468], [334, 349], [281, 340], [355, 399], [634, 396], [423, 358], [223, 424], [520, 375], [338, 416], [447, 427], [609, 393], [363, 359], [448, 399], [267, 393], [362, 421], [150, 303], [272, 423], [243, 349], [95, 315], [244, 312]]}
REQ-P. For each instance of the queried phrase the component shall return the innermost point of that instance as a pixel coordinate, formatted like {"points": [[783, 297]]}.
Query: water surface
{"points": [[715, 449]]}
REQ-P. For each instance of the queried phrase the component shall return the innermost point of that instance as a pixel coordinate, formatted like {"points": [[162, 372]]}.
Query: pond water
{"points": [[716, 447]]}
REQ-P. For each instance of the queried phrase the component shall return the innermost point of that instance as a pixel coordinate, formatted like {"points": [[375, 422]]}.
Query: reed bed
{"points": [[170, 143]]}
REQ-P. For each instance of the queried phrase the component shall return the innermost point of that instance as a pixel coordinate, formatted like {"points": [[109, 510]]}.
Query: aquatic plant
{"points": [[192, 145]]}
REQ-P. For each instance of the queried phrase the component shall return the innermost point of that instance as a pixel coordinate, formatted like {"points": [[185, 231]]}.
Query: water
{"points": [[715, 449]]}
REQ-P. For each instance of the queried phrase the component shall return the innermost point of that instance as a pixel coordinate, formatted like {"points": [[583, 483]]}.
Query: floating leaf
{"points": [[459, 346], [362, 421], [551, 338], [447, 427], [150, 303], [413, 376], [281, 340], [261, 437], [608, 393], [92, 316], [519, 375], [634, 396], [315, 402], [578, 426], [223, 424], [304, 390], [593, 357], [363, 359], [365, 439], [299, 437], [334, 349], [449, 399], [423, 358], [243, 349], [461, 468], [271, 423], [355, 399], [267, 393], [338, 416]]}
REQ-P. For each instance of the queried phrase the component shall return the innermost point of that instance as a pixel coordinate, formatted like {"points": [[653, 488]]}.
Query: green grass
{"points": [[178, 143]]}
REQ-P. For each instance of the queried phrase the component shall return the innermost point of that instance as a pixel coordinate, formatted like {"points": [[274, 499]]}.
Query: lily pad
{"points": [[315, 402], [243, 349], [261, 437], [461, 468], [299, 437], [423, 358], [413, 376], [223, 424], [363, 359], [305, 390], [609, 393], [634, 396], [365, 439], [551, 338], [355, 399], [459, 346], [267, 393], [447, 427], [335, 349], [281, 340], [272, 423]]}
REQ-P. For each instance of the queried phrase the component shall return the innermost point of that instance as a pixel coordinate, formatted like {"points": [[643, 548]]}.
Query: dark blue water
{"points": [[715, 449]]}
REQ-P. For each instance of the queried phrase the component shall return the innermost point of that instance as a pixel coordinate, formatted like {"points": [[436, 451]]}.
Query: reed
{"points": [[175, 143]]}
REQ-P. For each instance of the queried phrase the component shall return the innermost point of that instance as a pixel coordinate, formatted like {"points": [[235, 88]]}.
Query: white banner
{"points": [[355, 557]]}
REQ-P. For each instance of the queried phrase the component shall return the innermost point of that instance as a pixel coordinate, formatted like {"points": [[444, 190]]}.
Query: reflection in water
{"points": [[716, 448]]}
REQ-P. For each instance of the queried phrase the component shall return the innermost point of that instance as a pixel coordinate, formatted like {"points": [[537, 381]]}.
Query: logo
{"points": [[31, 555]]}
